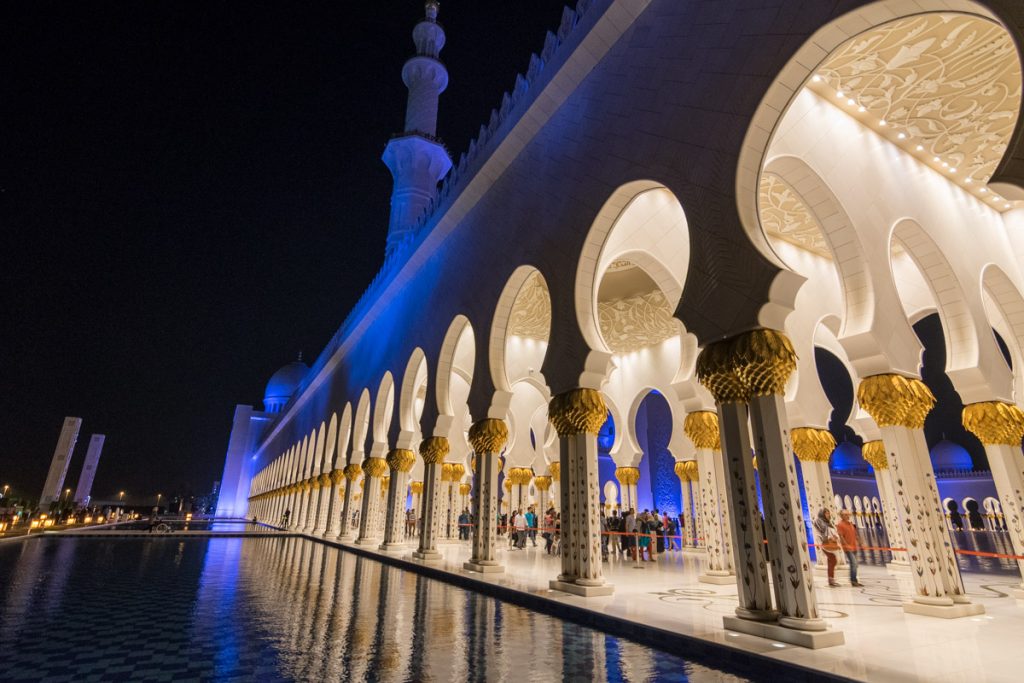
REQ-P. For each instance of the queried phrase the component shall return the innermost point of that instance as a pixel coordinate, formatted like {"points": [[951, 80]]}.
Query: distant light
{"points": [[936, 159], [945, 164], [902, 136], [882, 123], [968, 181], [920, 148], [1007, 206], [839, 94], [861, 109], [952, 170], [984, 189], [850, 102], [817, 78]]}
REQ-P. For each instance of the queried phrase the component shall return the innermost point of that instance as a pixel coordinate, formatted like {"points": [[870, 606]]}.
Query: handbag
{"points": [[831, 545]]}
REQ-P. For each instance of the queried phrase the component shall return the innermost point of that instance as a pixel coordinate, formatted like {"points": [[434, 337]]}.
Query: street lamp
{"points": [[6, 486], [120, 497], [67, 493], [158, 497]]}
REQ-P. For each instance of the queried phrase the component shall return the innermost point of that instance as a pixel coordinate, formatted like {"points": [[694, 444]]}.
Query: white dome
{"points": [[282, 385]]}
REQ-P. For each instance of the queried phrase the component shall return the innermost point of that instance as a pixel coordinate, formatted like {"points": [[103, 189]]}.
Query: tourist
{"points": [[604, 535], [410, 522], [531, 524], [614, 526], [681, 529], [629, 529], [512, 529], [827, 539], [519, 522], [670, 532], [643, 528], [848, 539], [549, 529]]}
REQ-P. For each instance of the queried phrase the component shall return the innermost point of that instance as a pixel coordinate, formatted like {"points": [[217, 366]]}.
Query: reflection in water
{"points": [[273, 609]]}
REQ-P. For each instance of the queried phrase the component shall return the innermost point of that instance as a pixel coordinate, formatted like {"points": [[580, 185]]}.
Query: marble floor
{"points": [[882, 642]]}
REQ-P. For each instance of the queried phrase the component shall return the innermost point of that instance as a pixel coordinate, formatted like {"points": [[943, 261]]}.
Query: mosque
{"points": [[688, 263]]}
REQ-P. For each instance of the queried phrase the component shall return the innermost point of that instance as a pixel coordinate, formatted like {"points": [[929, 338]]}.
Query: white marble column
{"points": [[433, 450], [369, 519], [488, 438], [555, 469], [780, 492], [686, 473], [345, 531], [322, 503], [1000, 427], [874, 453], [813, 447], [628, 478], [577, 417], [713, 514], [400, 462], [444, 502], [899, 406], [336, 477]]}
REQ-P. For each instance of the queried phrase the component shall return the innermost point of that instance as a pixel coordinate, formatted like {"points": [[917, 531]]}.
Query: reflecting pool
{"points": [[275, 609]]}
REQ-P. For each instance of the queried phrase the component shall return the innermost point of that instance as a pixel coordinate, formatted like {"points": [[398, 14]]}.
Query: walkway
{"points": [[882, 642]]}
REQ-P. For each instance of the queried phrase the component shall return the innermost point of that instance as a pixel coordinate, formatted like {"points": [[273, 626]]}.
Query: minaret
{"points": [[416, 158]]}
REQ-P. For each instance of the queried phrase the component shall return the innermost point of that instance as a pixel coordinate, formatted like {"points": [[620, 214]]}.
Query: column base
{"points": [[718, 578], [1017, 593], [812, 640], [427, 555], [584, 591], [367, 541], [392, 547], [944, 611], [691, 550], [490, 568]]}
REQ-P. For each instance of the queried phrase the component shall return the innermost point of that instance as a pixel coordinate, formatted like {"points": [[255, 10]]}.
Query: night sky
{"points": [[192, 193]]}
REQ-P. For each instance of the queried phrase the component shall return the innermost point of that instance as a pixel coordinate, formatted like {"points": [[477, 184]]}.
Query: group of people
{"points": [[522, 527], [832, 539], [641, 536]]}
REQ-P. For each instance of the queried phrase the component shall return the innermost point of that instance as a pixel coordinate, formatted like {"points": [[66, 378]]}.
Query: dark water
{"points": [[273, 609]]}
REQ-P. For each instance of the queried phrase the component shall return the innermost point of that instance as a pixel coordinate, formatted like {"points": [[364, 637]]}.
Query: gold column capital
{"points": [[416, 487], [337, 476], [508, 484], [434, 449], [447, 472], [895, 401], [627, 475], [375, 467], [812, 444], [751, 364], [488, 436], [995, 423], [874, 453], [702, 428], [580, 411], [686, 470], [458, 471], [520, 475], [353, 471], [401, 459], [555, 469], [542, 482], [465, 488]]}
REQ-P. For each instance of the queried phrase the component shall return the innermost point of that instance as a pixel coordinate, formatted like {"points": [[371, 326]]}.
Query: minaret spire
{"points": [[416, 158]]}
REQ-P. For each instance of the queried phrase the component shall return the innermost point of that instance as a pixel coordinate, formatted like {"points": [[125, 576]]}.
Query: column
{"points": [[543, 484], [400, 461], [487, 438], [577, 416], [555, 469], [336, 477], [458, 472], [1000, 427], [899, 406], [417, 498], [628, 478], [369, 518], [444, 502], [813, 447], [780, 491], [687, 472], [464, 489], [874, 453], [352, 473], [323, 501], [303, 504], [433, 451], [703, 429]]}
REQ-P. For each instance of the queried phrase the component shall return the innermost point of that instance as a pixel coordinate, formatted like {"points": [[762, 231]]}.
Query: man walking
{"points": [[848, 539]]}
